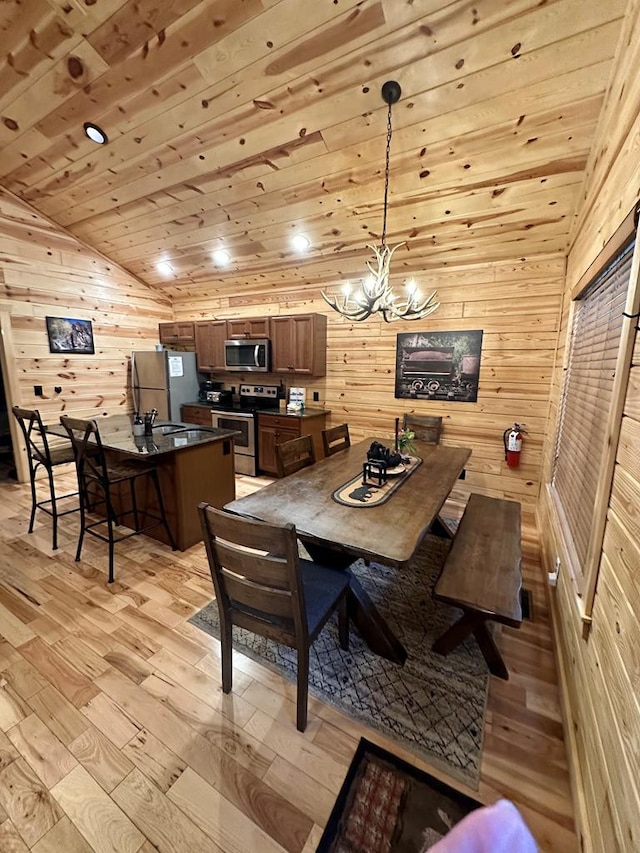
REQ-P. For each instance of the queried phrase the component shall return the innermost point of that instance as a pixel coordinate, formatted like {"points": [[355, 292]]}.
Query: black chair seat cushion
{"points": [[322, 588]]}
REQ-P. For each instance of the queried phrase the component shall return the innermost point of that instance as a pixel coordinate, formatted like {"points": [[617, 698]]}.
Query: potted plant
{"points": [[405, 442]]}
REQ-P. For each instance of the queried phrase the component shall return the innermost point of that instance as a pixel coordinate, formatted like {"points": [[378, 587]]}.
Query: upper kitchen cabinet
{"points": [[176, 333], [299, 344], [210, 336], [248, 327]]}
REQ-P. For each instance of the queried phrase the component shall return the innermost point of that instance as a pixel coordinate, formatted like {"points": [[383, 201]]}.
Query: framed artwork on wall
{"points": [[438, 365], [69, 335]]}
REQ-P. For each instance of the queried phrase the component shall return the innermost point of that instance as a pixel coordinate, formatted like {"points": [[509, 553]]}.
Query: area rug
{"points": [[432, 705], [387, 806]]}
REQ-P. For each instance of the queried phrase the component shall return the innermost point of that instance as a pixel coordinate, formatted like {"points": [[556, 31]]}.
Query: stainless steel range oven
{"points": [[243, 419], [245, 444]]}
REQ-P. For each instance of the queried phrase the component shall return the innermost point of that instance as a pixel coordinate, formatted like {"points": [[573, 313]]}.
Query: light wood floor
{"points": [[115, 734]]}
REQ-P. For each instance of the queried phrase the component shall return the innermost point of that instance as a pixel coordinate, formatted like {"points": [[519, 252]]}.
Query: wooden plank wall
{"points": [[45, 271], [601, 672], [517, 304]]}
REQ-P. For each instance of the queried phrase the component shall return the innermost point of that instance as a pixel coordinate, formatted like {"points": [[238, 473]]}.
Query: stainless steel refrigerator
{"points": [[164, 380]]}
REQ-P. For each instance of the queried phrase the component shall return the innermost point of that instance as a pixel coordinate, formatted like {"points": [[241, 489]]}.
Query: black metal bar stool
{"points": [[96, 476], [39, 454]]}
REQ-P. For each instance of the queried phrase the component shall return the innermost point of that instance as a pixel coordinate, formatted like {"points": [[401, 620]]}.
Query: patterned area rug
{"points": [[387, 806], [433, 705]]}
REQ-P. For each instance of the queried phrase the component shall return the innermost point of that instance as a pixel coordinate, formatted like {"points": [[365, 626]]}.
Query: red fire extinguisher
{"points": [[512, 439]]}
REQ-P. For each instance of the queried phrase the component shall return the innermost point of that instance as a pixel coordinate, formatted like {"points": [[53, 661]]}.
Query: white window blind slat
{"points": [[587, 395]]}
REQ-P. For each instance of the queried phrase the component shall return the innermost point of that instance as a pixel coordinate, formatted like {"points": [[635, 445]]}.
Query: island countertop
{"points": [[116, 433]]}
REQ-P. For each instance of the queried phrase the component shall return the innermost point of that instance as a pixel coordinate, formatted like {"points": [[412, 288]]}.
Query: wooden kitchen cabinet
{"points": [[176, 333], [196, 415], [248, 327], [299, 344], [276, 429], [210, 336]]}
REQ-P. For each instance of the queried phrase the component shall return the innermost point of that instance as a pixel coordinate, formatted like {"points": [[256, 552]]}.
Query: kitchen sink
{"points": [[169, 429]]}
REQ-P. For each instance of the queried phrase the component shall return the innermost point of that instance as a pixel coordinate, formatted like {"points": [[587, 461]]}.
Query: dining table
{"points": [[336, 534]]}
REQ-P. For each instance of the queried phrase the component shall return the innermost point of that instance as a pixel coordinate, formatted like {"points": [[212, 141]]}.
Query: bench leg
{"points": [[440, 528], [490, 651], [473, 623], [454, 635]]}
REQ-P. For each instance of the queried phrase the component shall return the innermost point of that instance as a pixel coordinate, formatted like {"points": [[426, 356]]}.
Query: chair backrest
{"points": [[87, 448], [256, 574], [293, 455], [35, 437], [335, 439], [426, 427]]}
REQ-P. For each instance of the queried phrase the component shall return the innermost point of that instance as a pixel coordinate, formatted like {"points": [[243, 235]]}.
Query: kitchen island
{"points": [[194, 464]]}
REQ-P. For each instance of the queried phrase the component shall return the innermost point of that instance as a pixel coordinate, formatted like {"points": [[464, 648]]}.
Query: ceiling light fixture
{"points": [[222, 257], [375, 295], [95, 133], [300, 242], [164, 268]]}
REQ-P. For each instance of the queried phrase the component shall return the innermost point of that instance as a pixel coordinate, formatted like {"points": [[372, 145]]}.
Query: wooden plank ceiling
{"points": [[238, 123]]}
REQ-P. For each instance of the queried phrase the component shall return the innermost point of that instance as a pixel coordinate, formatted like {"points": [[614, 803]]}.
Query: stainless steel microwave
{"points": [[248, 356]]}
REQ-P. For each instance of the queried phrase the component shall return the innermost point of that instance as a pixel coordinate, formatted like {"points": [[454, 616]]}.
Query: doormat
{"points": [[356, 494], [387, 805], [432, 705]]}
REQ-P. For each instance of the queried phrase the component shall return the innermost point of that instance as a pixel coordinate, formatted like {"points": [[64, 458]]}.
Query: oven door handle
{"points": [[241, 415]]}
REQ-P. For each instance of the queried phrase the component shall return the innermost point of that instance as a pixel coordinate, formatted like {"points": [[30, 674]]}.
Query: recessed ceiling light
{"points": [[222, 257], [300, 242], [164, 268], [95, 133]]}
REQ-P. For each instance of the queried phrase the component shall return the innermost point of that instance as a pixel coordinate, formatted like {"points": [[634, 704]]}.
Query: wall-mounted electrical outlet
{"points": [[552, 577], [37, 390], [316, 396]]}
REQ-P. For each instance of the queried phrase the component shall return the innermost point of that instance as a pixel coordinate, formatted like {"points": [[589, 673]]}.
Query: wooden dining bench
{"points": [[482, 576]]}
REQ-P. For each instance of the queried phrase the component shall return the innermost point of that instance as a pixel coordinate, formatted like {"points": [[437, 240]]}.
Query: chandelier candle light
{"points": [[375, 294]]}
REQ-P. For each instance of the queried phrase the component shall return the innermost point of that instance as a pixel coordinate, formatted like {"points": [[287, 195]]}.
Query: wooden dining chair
{"points": [[263, 585], [426, 427], [293, 455], [41, 455], [335, 439]]}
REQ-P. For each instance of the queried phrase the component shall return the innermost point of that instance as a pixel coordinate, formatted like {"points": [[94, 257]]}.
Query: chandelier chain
{"points": [[386, 178]]}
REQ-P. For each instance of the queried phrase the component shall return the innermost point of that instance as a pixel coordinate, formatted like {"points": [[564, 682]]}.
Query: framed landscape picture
{"points": [[68, 335], [438, 365]]}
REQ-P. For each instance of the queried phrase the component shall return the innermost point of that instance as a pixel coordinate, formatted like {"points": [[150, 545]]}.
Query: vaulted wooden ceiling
{"points": [[238, 123]]}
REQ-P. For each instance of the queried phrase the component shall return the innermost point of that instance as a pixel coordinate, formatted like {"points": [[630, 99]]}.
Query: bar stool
{"points": [[95, 479], [40, 454]]}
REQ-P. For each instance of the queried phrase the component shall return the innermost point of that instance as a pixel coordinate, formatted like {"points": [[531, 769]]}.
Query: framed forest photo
{"points": [[438, 365], [68, 335]]}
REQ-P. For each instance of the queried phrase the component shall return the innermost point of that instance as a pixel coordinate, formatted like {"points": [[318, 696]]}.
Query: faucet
{"points": [[149, 418]]}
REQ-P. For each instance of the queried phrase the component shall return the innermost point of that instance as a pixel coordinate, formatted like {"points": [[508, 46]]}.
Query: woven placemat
{"points": [[354, 493]]}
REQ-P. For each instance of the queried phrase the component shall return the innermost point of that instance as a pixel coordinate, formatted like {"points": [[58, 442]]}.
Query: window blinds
{"points": [[586, 401]]}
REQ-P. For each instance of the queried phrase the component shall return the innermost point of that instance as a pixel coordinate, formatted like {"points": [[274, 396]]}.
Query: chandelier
{"points": [[375, 295]]}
